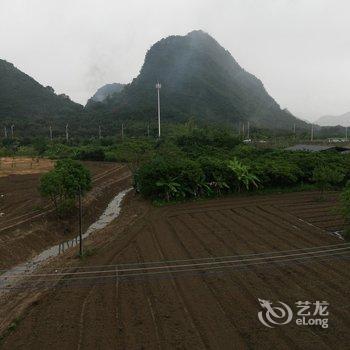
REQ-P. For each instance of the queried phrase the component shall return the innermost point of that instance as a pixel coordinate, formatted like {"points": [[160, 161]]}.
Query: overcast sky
{"points": [[300, 49]]}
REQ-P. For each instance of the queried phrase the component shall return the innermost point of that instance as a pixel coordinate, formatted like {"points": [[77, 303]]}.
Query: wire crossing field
{"points": [[200, 310]]}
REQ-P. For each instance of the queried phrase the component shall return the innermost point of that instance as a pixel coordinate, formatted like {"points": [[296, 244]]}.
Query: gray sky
{"points": [[300, 49]]}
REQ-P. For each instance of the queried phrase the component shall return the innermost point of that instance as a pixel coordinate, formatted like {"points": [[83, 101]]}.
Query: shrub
{"points": [[277, 172], [166, 178], [94, 154], [217, 175], [345, 206], [326, 176]]}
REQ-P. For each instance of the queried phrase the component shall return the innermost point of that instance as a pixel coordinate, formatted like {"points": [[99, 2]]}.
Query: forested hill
{"points": [[23, 99], [199, 79]]}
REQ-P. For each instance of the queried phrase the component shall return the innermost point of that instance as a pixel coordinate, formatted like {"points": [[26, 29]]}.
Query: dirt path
{"points": [[29, 226], [192, 310]]}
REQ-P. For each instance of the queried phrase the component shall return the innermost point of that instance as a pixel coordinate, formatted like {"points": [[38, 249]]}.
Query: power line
{"points": [[194, 263], [45, 283]]}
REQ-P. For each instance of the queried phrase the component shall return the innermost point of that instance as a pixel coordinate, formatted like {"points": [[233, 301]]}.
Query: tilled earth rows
{"points": [[199, 311]]}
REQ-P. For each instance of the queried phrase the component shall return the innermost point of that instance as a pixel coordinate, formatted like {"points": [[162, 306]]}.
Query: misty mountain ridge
{"points": [[199, 79], [328, 120], [23, 98], [105, 91]]}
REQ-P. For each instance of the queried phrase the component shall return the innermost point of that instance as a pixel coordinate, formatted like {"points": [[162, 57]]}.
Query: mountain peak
{"points": [[199, 33], [199, 78]]}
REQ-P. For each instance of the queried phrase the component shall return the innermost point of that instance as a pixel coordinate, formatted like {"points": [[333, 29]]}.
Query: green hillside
{"points": [[199, 78], [22, 99]]}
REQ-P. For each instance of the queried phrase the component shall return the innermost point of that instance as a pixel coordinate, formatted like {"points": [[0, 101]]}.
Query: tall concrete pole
{"points": [[346, 133], [158, 87], [67, 134], [80, 224]]}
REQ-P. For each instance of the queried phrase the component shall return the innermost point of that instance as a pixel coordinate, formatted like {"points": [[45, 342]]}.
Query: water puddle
{"points": [[338, 234], [111, 212]]}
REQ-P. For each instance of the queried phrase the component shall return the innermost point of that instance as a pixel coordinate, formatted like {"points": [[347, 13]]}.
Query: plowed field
{"points": [[189, 276]]}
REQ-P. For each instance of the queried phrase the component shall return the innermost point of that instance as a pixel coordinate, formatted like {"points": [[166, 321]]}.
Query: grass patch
{"points": [[88, 252], [10, 329]]}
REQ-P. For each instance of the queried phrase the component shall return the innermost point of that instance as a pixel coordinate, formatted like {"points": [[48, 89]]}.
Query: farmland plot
{"points": [[191, 275]]}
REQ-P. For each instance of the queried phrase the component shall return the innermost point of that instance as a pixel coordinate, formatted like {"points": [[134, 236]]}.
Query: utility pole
{"points": [[12, 130], [5, 132], [99, 132], [312, 132], [346, 133], [80, 224], [248, 132], [50, 133], [243, 131], [122, 131], [67, 135], [294, 131], [158, 87]]}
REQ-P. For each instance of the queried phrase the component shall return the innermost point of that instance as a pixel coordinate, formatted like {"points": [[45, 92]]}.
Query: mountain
{"points": [[106, 90], [24, 99], [199, 78], [328, 120]]}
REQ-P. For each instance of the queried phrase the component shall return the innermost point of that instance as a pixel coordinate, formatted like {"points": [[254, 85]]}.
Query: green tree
{"points": [[64, 183]]}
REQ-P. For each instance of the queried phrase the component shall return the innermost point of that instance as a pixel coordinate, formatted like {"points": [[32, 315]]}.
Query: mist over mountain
{"points": [[328, 120], [106, 90], [23, 98], [199, 79]]}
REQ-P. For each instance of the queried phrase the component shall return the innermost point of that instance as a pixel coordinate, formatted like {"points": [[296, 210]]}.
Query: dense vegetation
{"points": [[203, 162]]}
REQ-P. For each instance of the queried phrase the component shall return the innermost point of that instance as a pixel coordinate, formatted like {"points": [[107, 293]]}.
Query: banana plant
{"points": [[244, 176], [171, 188]]}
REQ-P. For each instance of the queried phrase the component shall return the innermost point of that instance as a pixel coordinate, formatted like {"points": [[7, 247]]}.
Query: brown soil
{"points": [[24, 165], [29, 225], [217, 311]]}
